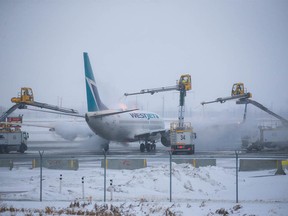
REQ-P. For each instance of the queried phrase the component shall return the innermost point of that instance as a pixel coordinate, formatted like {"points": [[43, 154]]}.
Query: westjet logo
{"points": [[144, 115]]}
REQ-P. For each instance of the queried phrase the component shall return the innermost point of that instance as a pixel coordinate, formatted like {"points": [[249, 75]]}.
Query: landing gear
{"points": [[142, 147], [105, 147], [148, 146]]}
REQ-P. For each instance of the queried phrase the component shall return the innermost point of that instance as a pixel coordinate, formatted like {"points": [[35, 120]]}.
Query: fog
{"points": [[223, 131], [144, 44], [135, 44]]}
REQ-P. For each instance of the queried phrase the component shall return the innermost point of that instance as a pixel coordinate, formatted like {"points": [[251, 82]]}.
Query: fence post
{"points": [[83, 194], [111, 188], [237, 152], [41, 179], [170, 153], [60, 186], [105, 167]]}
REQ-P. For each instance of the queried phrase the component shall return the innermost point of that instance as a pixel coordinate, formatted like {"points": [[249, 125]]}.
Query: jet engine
{"points": [[165, 138]]}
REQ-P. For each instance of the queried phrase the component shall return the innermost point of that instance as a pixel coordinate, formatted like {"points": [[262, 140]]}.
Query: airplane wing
{"points": [[99, 114], [149, 133], [58, 113]]}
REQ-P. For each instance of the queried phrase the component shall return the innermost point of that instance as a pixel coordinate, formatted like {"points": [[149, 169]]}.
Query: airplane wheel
{"points": [[106, 148], [142, 147], [153, 147], [148, 147]]}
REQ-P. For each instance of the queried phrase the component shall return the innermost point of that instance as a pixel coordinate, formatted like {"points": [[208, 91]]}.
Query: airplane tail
{"points": [[94, 102]]}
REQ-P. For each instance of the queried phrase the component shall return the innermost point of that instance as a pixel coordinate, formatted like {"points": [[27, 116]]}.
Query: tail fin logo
{"points": [[93, 99]]}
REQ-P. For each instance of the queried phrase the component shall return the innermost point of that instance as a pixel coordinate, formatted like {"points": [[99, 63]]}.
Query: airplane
{"points": [[113, 125], [121, 125]]}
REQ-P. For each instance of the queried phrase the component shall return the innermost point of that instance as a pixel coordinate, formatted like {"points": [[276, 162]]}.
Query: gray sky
{"points": [[137, 44]]}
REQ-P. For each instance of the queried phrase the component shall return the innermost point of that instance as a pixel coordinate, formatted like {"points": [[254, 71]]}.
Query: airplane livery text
{"points": [[144, 115]]}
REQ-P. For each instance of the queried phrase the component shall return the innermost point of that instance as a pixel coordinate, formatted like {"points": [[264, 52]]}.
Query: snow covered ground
{"points": [[195, 191]]}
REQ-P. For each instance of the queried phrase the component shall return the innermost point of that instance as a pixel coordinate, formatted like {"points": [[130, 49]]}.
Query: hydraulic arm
{"points": [[238, 92], [9, 111], [26, 98], [183, 85], [153, 90], [224, 99], [265, 109], [242, 97]]}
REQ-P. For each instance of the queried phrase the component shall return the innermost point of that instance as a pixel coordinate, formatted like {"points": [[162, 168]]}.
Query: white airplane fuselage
{"points": [[125, 127]]}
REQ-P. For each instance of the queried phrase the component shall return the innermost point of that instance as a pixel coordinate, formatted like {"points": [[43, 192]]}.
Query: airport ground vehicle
{"points": [[273, 136], [12, 138], [180, 136]]}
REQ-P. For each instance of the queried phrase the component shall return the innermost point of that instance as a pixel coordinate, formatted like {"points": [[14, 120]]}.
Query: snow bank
{"points": [[195, 191]]}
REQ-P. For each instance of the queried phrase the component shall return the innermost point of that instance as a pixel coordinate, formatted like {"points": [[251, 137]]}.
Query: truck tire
{"points": [[193, 149], [23, 148], [6, 149]]}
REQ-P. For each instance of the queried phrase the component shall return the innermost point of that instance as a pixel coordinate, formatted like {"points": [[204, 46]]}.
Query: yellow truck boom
{"points": [[26, 98]]}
